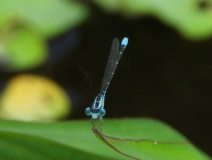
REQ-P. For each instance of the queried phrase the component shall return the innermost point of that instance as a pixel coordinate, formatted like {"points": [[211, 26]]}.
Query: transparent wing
{"points": [[114, 57]]}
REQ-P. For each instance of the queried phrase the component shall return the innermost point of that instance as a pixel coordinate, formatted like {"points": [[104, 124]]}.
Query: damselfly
{"points": [[97, 110]]}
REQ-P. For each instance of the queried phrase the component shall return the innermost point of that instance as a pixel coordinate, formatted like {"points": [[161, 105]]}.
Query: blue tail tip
{"points": [[124, 41]]}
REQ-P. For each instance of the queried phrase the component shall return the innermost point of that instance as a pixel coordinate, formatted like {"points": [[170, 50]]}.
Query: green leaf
{"points": [[24, 147], [78, 135], [186, 16], [151, 149]]}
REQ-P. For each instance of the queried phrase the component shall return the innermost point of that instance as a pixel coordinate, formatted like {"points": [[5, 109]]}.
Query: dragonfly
{"points": [[97, 111]]}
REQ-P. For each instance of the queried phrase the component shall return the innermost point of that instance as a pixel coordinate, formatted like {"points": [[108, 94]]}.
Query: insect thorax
{"points": [[98, 102]]}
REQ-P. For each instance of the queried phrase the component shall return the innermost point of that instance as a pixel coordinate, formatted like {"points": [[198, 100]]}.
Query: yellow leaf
{"points": [[33, 98]]}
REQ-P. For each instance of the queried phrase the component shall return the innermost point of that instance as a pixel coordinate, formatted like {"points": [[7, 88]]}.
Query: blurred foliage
{"points": [[26, 25], [33, 98], [192, 18], [75, 140], [21, 48], [51, 17]]}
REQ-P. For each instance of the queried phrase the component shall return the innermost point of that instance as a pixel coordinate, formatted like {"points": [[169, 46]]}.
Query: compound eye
{"points": [[102, 112], [88, 111]]}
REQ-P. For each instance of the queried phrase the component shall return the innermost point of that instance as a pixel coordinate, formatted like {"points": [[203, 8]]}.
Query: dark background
{"points": [[161, 75]]}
